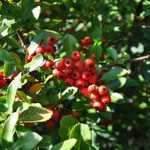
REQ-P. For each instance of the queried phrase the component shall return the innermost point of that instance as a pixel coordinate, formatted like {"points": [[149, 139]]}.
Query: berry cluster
{"points": [[74, 72], [85, 43], [99, 96], [49, 49]]}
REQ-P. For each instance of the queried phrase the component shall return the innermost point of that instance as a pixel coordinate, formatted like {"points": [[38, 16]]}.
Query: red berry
{"points": [[69, 82], [103, 90], [93, 56], [75, 55], [55, 114], [92, 88], [93, 79], [97, 105], [88, 40], [90, 10], [94, 96], [84, 91], [61, 75], [68, 72], [80, 83], [30, 57], [75, 114], [51, 40], [49, 63], [55, 72], [86, 75], [50, 124], [80, 20], [86, 83], [40, 50], [78, 65], [102, 56], [83, 42], [49, 49], [93, 70], [76, 75], [60, 65], [103, 40], [106, 99], [91, 103], [68, 62], [89, 64], [50, 108], [43, 67], [71, 30], [100, 75]]}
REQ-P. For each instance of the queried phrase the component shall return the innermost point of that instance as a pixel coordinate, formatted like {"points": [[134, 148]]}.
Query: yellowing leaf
{"points": [[36, 87]]}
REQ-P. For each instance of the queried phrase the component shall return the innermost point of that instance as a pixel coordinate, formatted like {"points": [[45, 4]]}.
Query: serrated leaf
{"points": [[65, 145], [82, 133], [7, 132], [114, 73], [66, 125], [113, 53], [6, 57], [11, 92], [36, 62], [26, 142], [117, 98], [69, 44], [35, 114]]}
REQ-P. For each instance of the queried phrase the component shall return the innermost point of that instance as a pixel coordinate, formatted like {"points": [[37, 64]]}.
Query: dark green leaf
{"points": [[46, 141], [113, 53], [97, 34], [97, 51]]}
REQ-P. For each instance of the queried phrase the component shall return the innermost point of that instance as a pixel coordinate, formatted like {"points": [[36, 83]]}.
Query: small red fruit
{"points": [[91, 103], [103, 90], [89, 64], [50, 124], [55, 72], [78, 65], [93, 56], [40, 50], [93, 79], [55, 114], [93, 70], [75, 55], [106, 99], [94, 96], [76, 75], [43, 67], [51, 40], [88, 40], [68, 62], [80, 83], [60, 65], [92, 88], [61, 75], [49, 49], [84, 91], [80, 20], [83, 42], [86, 75], [49, 63], [30, 57], [50, 108], [75, 114], [97, 105], [69, 82], [68, 72]]}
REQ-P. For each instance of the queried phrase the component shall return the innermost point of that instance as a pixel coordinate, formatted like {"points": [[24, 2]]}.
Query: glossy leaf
{"points": [[117, 98], [46, 141], [97, 51], [113, 53]]}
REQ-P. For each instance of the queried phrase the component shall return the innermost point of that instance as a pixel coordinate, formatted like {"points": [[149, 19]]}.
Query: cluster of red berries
{"points": [[74, 72], [85, 43], [49, 49], [99, 96]]}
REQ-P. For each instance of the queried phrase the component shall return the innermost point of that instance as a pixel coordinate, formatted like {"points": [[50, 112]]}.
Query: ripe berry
{"points": [[93, 56], [78, 65], [80, 20], [89, 64], [93, 70], [68, 62], [51, 40], [30, 57], [84, 91], [80, 83], [40, 50], [103, 40], [97, 105], [83, 42], [92, 88], [86, 75], [43, 67], [94, 96], [68, 72], [103, 90], [88, 40], [49, 63], [102, 56], [75, 55], [69, 82], [50, 107], [49, 49], [50, 124], [71, 30], [61, 75], [93, 79], [106, 99], [75, 114], [91, 103], [76, 75], [86, 83], [55, 72], [60, 65], [55, 114]]}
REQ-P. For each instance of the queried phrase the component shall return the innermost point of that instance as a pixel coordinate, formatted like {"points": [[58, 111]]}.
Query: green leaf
{"points": [[6, 57], [114, 73], [22, 96], [11, 92], [82, 133], [79, 106], [117, 98], [97, 51], [117, 84], [66, 125], [46, 141], [65, 145], [70, 91], [37, 62], [27, 142], [113, 53], [69, 44], [35, 43], [35, 114], [12, 42], [7, 68], [16, 57], [107, 115], [7, 132], [97, 34]]}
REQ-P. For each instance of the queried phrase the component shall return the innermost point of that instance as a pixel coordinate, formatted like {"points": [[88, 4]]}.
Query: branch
{"points": [[21, 39], [129, 61]]}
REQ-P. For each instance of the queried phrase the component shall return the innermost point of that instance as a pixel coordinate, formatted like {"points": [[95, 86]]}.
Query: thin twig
{"points": [[19, 34], [129, 61]]}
